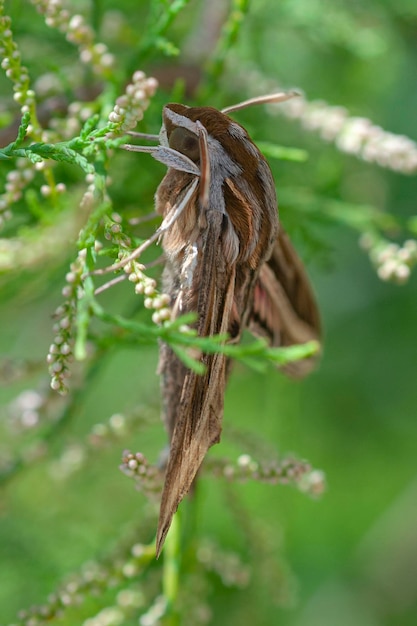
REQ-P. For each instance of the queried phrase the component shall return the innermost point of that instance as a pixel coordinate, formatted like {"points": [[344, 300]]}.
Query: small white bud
{"points": [[45, 190], [244, 460], [165, 314], [138, 76], [114, 117], [402, 273], [86, 56], [55, 383], [149, 289], [76, 22], [65, 323], [71, 277], [156, 318], [107, 60]]}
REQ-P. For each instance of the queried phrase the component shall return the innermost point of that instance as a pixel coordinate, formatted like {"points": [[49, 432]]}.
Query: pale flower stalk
{"points": [[79, 33], [392, 261], [358, 136], [130, 106]]}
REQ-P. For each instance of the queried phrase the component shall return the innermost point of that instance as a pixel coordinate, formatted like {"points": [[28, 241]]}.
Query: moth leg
{"points": [[166, 224], [268, 99], [135, 221]]}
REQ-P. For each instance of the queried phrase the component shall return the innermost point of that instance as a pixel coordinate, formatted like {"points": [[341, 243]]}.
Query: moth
{"points": [[229, 261]]}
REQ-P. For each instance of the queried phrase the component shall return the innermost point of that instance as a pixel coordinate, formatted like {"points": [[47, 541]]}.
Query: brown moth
{"points": [[226, 260]]}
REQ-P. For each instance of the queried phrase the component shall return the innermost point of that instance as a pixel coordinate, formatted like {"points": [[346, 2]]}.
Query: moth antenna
{"points": [[204, 165], [273, 97]]}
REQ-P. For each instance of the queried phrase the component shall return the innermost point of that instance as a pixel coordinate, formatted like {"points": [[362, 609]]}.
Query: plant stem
{"points": [[171, 571]]}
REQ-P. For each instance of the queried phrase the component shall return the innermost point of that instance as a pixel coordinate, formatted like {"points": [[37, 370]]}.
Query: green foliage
{"points": [[72, 210]]}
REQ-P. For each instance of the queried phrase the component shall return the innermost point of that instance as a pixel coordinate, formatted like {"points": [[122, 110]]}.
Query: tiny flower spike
{"points": [[159, 302], [15, 71], [94, 578], [149, 478], [354, 135], [79, 33], [135, 272], [61, 350], [25, 97], [393, 262], [129, 108], [16, 182], [288, 471]]}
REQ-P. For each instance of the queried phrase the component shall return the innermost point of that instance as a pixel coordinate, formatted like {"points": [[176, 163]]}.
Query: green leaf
{"points": [[188, 360], [289, 354], [7, 152], [283, 153], [61, 152], [21, 133]]}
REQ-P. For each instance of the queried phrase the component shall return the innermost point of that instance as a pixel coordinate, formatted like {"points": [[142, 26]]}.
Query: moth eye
{"points": [[186, 142]]}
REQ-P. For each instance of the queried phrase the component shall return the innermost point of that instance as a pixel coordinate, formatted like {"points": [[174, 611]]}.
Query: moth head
{"points": [[183, 140], [180, 131]]}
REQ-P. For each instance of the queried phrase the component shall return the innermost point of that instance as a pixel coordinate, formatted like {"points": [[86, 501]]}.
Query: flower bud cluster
{"points": [[158, 302], [354, 135], [76, 455], [69, 126], [88, 201], [94, 580], [149, 478], [113, 231], [392, 261], [16, 181], [128, 601], [129, 107], [227, 565], [61, 350], [50, 190], [78, 33], [287, 471], [96, 55], [144, 285], [17, 73], [153, 615], [313, 483], [105, 432], [25, 410]]}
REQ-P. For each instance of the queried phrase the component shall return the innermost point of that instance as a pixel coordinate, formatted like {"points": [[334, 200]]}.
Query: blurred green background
{"points": [[347, 559]]}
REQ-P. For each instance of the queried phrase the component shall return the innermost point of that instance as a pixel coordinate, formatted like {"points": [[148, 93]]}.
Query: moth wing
{"points": [[284, 307], [200, 409]]}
